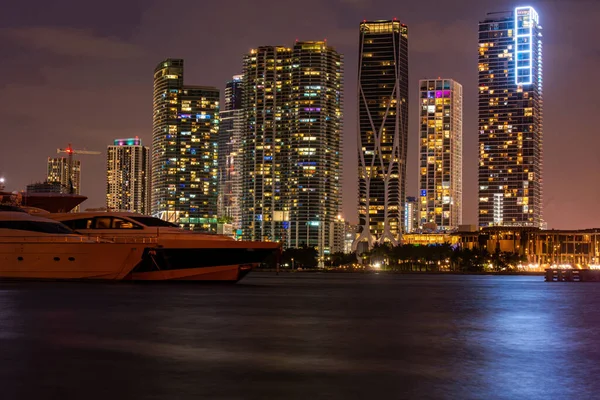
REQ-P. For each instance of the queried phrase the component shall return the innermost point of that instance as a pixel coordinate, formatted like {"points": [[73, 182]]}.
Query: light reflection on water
{"points": [[302, 336]]}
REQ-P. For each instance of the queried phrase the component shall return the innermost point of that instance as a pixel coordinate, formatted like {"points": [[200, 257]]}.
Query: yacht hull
{"points": [[223, 261], [221, 273], [68, 260]]}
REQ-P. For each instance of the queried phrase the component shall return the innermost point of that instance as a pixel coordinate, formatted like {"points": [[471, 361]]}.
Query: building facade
{"points": [[411, 214], [542, 248], [58, 171], [229, 142], [440, 162], [184, 149], [46, 187], [383, 131], [292, 144], [510, 119], [127, 181]]}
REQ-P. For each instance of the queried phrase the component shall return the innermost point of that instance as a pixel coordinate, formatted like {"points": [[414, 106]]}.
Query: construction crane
{"points": [[69, 150]]}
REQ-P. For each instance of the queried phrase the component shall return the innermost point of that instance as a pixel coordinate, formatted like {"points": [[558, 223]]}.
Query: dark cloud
{"points": [[71, 42], [81, 73]]}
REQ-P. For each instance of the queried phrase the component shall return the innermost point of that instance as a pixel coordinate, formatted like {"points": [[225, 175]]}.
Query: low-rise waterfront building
{"points": [[542, 248]]}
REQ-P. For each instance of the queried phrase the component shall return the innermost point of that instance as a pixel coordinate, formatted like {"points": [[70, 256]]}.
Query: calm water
{"points": [[302, 336]]}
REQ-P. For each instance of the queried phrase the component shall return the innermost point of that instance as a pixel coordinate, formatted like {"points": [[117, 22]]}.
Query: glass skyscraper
{"points": [[292, 141], [440, 163], [510, 119], [383, 131], [184, 149], [127, 168], [230, 137]]}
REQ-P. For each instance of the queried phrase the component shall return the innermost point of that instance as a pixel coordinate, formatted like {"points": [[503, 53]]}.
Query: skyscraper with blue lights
{"points": [[184, 149], [510, 119]]}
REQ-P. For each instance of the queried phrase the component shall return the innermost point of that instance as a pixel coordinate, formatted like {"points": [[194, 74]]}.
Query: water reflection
{"points": [[302, 336]]}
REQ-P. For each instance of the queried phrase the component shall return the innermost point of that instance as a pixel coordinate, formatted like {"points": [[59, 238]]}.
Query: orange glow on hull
{"points": [[231, 273]]}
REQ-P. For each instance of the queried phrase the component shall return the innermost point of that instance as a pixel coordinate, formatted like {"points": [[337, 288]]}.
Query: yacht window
{"points": [[102, 223], [76, 224], [151, 221], [37, 226], [119, 223], [114, 223]]}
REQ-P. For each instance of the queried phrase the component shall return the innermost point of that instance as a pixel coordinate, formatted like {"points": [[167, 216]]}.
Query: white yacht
{"points": [[34, 247], [172, 253]]}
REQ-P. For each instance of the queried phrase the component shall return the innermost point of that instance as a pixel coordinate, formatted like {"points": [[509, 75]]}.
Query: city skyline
{"points": [[562, 179]]}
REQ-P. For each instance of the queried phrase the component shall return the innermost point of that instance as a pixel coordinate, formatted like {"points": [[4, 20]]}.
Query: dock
{"points": [[572, 275]]}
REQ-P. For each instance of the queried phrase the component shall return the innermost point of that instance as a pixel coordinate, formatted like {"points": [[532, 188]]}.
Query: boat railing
{"points": [[127, 239], [75, 239]]}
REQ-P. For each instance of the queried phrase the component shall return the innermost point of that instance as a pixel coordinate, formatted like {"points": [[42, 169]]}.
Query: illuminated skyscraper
{"points": [[440, 144], [58, 171], [383, 131], [184, 149], [411, 214], [127, 168], [510, 119], [292, 143], [230, 137]]}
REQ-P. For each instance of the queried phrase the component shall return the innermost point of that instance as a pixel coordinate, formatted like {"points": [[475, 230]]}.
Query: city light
{"points": [[525, 17]]}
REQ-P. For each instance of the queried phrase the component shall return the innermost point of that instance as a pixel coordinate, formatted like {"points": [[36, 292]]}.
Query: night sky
{"points": [[81, 72]]}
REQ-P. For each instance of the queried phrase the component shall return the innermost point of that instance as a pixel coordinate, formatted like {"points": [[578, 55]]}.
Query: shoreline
{"points": [[288, 271]]}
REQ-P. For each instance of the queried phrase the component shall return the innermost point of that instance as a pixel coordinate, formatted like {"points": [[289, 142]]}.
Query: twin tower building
{"points": [[269, 161]]}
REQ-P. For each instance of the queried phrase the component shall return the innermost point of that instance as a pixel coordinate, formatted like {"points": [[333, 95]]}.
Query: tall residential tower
{"points": [[440, 164], [184, 149], [383, 131], [510, 119], [127, 169], [292, 143], [230, 138]]}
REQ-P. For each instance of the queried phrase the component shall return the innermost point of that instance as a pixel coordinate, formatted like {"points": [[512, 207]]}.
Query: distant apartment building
{"points": [[440, 163], [46, 187], [340, 235], [411, 214], [184, 149], [229, 157], [349, 236], [510, 119], [383, 132], [292, 144], [127, 180], [58, 171]]}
